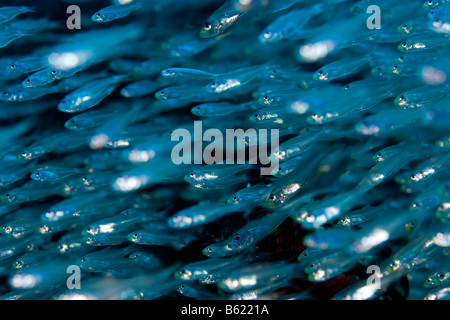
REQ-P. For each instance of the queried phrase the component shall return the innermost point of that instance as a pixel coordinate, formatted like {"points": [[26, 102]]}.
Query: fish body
{"points": [[223, 18], [9, 13], [340, 68], [200, 270], [200, 214], [19, 94], [247, 237], [89, 95], [438, 278], [288, 24], [234, 79], [52, 173], [139, 88]]}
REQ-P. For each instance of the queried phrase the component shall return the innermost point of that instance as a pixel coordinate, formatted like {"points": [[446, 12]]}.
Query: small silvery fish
{"points": [[288, 24], [19, 93], [9, 13], [438, 278], [53, 173], [187, 73], [146, 260], [234, 79], [200, 214], [201, 269], [139, 88], [89, 95], [28, 64], [115, 12], [89, 119], [261, 273]]}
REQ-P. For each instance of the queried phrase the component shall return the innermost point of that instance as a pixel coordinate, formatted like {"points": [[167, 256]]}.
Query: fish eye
{"points": [[207, 26], [28, 80], [13, 66], [440, 275], [401, 97], [404, 44], [320, 72], [209, 250], [272, 197], [135, 235], [234, 198], [88, 229], [192, 175], [213, 84], [429, 280], [237, 237], [37, 174], [98, 15], [5, 93]]}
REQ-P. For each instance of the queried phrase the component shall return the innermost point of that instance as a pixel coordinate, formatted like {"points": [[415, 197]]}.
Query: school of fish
{"points": [[358, 207]]}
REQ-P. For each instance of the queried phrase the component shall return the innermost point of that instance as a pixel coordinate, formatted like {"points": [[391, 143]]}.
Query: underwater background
{"points": [[93, 206]]}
